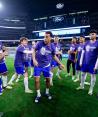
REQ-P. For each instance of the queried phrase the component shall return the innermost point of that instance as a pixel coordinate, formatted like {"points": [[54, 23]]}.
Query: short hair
{"points": [[82, 36], [23, 38], [93, 31], [49, 32], [74, 37]]}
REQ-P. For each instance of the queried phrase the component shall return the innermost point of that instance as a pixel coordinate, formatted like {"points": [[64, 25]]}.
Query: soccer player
{"points": [[44, 51], [54, 64], [20, 57], [88, 61], [72, 57], [3, 68]]}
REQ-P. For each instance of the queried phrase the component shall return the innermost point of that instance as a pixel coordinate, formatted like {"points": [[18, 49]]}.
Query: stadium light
{"points": [[1, 6]]}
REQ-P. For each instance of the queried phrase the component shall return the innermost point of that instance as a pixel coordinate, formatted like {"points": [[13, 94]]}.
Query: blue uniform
{"points": [[3, 68], [44, 55], [73, 48], [90, 57], [57, 49], [19, 60], [79, 50]]}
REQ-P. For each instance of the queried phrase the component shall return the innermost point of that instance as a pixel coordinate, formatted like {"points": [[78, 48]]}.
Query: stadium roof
{"points": [[41, 8]]}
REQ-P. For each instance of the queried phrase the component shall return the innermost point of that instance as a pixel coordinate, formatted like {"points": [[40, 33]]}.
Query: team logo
{"points": [[43, 51], [87, 48], [79, 49]]}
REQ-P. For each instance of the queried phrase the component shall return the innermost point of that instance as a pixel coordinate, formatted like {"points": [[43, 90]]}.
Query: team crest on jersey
{"points": [[87, 48], [79, 49], [42, 51]]}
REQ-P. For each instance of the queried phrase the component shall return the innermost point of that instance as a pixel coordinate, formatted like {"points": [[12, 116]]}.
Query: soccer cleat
{"points": [[76, 80], [80, 88], [37, 99], [8, 87], [28, 91], [49, 97], [90, 92], [17, 80], [86, 83]]}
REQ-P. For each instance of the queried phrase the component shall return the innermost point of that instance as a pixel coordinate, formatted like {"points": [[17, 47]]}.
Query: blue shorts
{"points": [[54, 64], [78, 66], [39, 70], [88, 68], [20, 70], [26, 64], [3, 68], [32, 65]]}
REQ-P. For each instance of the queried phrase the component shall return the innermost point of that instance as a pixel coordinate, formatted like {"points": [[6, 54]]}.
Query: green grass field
{"points": [[66, 102]]}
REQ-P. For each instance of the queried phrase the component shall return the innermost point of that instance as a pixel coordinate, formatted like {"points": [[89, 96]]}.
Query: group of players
{"points": [[45, 55]]}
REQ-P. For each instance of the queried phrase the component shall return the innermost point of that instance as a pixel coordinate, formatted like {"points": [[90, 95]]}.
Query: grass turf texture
{"points": [[66, 102]]}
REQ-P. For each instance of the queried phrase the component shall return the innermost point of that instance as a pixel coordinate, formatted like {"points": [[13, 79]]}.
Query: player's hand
{"points": [[95, 69], [35, 63], [62, 66]]}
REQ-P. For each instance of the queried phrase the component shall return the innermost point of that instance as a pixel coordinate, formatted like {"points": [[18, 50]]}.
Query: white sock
{"points": [[4, 81], [77, 74], [13, 78], [26, 83], [93, 80], [47, 90], [83, 78], [31, 71], [51, 77], [38, 93]]}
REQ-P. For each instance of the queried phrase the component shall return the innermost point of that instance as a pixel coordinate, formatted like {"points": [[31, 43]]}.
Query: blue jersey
{"points": [[73, 48], [44, 53], [1, 51], [91, 53], [57, 49], [79, 51], [20, 56]]}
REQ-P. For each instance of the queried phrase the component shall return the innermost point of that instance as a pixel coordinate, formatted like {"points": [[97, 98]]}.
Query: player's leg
{"points": [[46, 73], [68, 67], [18, 78], [74, 70], [13, 78], [92, 84], [37, 73], [0, 86], [77, 76], [83, 78], [26, 85]]}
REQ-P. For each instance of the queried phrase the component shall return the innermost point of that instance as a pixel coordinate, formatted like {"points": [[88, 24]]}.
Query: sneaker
{"points": [[37, 99], [79, 88], [76, 80], [73, 77], [28, 91], [49, 97], [8, 87], [17, 80], [86, 83], [90, 92]]}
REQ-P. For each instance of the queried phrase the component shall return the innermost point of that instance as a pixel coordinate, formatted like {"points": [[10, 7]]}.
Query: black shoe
{"points": [[37, 99], [49, 97]]}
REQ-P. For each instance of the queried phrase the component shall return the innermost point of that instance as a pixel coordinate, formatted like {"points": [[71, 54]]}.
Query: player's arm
{"points": [[96, 65], [81, 58], [34, 59], [58, 61]]}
